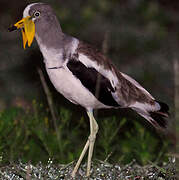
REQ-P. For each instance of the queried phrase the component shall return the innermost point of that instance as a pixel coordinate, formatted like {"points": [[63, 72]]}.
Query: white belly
{"points": [[72, 89]]}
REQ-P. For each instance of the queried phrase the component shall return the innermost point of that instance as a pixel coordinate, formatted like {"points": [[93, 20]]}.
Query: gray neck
{"points": [[49, 33], [55, 46]]}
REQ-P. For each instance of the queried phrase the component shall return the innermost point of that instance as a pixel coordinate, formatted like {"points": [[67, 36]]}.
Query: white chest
{"points": [[52, 57]]}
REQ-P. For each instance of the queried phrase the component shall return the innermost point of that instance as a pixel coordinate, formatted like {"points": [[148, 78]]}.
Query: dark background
{"points": [[140, 37]]}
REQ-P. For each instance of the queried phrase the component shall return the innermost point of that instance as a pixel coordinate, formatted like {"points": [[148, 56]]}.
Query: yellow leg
{"points": [[92, 138], [90, 143], [80, 159]]}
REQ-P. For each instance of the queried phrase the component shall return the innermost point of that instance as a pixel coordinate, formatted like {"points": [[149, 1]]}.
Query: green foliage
{"points": [[142, 145], [31, 136], [108, 135], [119, 142]]}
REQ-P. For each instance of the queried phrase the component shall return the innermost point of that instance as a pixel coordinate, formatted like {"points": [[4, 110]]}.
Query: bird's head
{"points": [[34, 15]]}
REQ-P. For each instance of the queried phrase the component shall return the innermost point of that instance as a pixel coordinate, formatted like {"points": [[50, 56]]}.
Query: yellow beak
{"points": [[28, 30]]}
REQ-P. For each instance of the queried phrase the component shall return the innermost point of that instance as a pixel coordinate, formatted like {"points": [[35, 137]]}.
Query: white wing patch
{"points": [[145, 106], [93, 64], [74, 45]]}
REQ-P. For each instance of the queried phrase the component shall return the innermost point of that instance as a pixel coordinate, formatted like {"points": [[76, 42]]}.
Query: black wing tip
{"points": [[160, 120], [164, 108]]}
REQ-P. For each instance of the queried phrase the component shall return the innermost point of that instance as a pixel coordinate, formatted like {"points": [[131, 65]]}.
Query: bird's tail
{"points": [[156, 113]]}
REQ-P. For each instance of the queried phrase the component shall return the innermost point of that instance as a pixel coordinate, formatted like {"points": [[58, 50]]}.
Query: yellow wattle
{"points": [[29, 28], [24, 38]]}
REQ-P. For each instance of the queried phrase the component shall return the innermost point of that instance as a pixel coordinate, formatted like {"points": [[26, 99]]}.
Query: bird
{"points": [[76, 67]]}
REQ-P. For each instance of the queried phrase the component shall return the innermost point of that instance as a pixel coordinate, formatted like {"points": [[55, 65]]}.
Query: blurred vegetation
{"points": [[29, 135], [142, 42]]}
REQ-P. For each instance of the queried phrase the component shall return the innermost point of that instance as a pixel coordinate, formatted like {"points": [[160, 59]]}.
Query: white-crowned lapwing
{"points": [[74, 68]]}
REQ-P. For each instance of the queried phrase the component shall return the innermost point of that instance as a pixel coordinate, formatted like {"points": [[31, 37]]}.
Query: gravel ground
{"points": [[100, 171]]}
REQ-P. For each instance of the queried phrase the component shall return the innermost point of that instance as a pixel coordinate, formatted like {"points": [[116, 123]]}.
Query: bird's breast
{"points": [[52, 57], [72, 89]]}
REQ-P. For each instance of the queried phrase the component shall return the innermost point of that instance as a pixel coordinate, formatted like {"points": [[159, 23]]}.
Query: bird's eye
{"points": [[37, 14]]}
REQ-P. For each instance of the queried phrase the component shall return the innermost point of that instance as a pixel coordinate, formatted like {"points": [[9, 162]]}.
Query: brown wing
{"points": [[127, 92]]}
